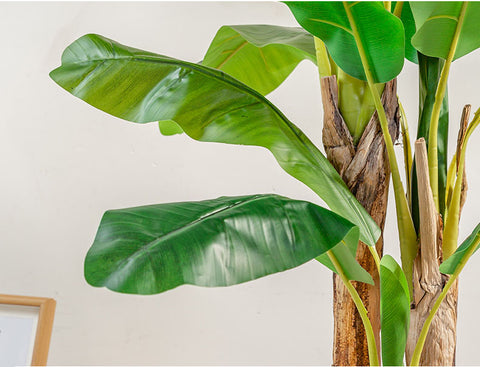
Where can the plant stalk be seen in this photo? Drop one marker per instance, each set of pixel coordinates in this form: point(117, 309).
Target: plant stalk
point(398, 9)
point(450, 234)
point(406, 229)
point(372, 346)
point(426, 326)
point(439, 94)
point(376, 258)
point(323, 62)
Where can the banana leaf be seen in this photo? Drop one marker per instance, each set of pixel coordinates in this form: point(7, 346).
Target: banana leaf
point(261, 56)
point(381, 35)
point(211, 243)
point(463, 253)
point(208, 104)
point(394, 311)
point(436, 23)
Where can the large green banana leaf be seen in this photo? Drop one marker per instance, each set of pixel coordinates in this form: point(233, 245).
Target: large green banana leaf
point(261, 56)
point(208, 104)
point(380, 33)
point(462, 254)
point(220, 242)
point(394, 311)
point(430, 69)
point(436, 22)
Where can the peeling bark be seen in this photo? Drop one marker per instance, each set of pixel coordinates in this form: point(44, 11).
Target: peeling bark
point(365, 170)
point(428, 282)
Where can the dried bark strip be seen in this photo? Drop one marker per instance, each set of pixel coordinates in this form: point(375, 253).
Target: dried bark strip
point(428, 282)
point(365, 170)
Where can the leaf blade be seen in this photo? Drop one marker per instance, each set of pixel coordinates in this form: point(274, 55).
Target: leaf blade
point(382, 35)
point(394, 311)
point(208, 105)
point(261, 56)
point(219, 242)
point(457, 259)
point(436, 24)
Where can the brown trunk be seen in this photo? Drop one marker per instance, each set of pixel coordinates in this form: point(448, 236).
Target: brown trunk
point(366, 172)
point(428, 282)
point(439, 348)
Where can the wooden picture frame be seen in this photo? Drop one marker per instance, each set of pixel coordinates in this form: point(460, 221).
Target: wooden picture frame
point(14, 307)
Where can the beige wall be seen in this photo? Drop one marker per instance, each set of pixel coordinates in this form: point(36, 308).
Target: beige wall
point(64, 163)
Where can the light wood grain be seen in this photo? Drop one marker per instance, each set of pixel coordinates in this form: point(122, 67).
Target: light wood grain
point(46, 316)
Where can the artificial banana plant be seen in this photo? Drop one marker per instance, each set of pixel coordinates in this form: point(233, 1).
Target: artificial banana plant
point(359, 48)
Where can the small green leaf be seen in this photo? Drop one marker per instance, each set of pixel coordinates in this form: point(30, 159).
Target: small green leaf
point(381, 34)
point(211, 243)
point(208, 104)
point(261, 56)
point(436, 23)
point(450, 265)
point(169, 127)
point(394, 311)
point(345, 254)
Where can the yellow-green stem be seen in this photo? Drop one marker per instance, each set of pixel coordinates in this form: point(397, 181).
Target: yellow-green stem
point(398, 9)
point(406, 229)
point(323, 62)
point(439, 94)
point(417, 353)
point(407, 152)
point(372, 346)
point(452, 218)
point(376, 258)
point(387, 5)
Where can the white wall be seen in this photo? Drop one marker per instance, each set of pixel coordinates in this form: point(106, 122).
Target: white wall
point(64, 163)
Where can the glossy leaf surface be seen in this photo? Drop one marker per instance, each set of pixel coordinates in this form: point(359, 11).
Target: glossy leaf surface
point(436, 22)
point(429, 75)
point(394, 311)
point(381, 35)
point(450, 265)
point(261, 56)
point(208, 104)
point(211, 243)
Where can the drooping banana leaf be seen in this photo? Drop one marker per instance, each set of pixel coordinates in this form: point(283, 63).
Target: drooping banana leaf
point(463, 253)
point(261, 56)
point(429, 75)
point(394, 311)
point(208, 104)
point(436, 22)
point(211, 243)
point(380, 33)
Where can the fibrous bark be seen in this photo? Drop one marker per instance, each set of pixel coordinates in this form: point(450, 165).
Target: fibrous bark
point(365, 170)
point(428, 282)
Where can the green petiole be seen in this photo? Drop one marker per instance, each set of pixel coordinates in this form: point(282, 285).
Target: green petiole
point(439, 94)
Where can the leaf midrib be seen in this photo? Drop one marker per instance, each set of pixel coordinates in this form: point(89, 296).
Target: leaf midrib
point(159, 239)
